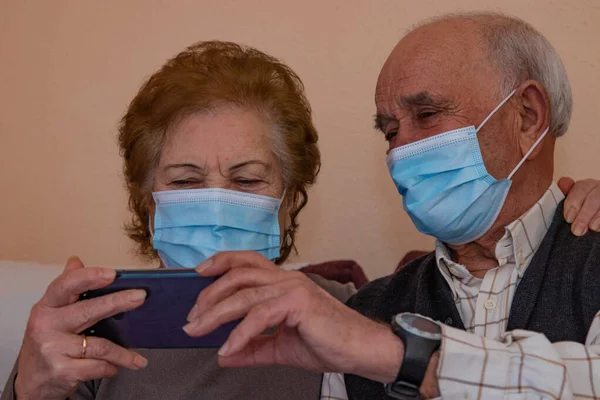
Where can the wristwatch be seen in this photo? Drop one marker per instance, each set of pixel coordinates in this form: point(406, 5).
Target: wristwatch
point(421, 336)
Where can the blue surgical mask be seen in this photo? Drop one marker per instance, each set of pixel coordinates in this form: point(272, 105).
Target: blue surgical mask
point(192, 225)
point(445, 187)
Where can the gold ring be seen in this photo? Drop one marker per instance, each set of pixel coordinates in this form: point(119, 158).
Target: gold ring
point(83, 346)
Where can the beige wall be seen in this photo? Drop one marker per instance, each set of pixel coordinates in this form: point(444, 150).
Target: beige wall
point(69, 68)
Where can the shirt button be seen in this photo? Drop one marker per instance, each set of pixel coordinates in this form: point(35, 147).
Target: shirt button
point(448, 321)
point(490, 304)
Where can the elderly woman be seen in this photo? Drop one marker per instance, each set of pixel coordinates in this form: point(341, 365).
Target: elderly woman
point(229, 130)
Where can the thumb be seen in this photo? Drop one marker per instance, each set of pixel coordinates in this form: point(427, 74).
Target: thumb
point(566, 184)
point(73, 263)
point(259, 351)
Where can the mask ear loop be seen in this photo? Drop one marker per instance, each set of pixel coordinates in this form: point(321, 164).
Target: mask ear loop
point(151, 226)
point(286, 236)
point(528, 153)
point(490, 115)
point(287, 239)
point(283, 195)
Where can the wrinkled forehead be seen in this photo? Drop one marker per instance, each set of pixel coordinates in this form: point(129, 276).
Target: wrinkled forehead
point(444, 58)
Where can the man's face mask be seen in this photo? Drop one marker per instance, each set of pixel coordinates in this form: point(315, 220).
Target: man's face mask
point(446, 189)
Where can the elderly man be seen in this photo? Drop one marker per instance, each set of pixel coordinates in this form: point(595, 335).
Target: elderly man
point(471, 106)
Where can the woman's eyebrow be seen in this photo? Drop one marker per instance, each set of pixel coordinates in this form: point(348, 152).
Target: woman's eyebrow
point(185, 165)
point(249, 162)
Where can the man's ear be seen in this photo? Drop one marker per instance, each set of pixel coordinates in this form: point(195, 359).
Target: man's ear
point(534, 113)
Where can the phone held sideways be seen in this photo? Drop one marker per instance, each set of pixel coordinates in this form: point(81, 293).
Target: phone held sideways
point(158, 323)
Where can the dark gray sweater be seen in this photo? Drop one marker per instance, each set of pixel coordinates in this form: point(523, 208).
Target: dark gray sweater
point(558, 296)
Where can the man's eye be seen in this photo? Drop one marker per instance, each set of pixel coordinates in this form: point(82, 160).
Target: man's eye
point(390, 135)
point(426, 114)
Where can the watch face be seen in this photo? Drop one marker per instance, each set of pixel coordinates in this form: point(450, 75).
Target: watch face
point(420, 326)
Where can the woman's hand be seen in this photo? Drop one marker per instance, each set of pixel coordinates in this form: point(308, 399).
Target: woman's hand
point(52, 360)
point(582, 205)
point(314, 330)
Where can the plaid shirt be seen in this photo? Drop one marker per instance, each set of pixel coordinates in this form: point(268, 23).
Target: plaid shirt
point(485, 361)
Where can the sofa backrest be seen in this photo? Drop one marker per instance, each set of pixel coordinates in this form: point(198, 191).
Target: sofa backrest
point(21, 285)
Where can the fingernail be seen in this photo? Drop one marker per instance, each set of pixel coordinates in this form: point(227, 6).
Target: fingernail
point(137, 295)
point(72, 258)
point(204, 265)
point(224, 350)
point(108, 274)
point(193, 313)
point(140, 362)
point(596, 225)
point(571, 213)
point(579, 229)
point(188, 328)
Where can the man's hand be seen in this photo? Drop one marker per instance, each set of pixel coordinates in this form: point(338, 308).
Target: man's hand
point(313, 330)
point(582, 205)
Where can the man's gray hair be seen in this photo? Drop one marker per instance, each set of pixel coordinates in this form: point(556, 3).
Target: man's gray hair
point(520, 52)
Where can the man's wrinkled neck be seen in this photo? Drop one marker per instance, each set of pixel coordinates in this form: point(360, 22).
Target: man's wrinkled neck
point(478, 256)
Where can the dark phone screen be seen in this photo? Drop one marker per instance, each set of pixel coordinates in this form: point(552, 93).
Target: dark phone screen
point(170, 295)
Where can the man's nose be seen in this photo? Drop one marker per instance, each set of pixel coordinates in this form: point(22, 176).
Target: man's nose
point(398, 141)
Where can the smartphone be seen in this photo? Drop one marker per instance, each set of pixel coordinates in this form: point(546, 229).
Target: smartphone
point(156, 324)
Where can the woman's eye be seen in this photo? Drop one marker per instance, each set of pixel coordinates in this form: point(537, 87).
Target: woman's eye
point(426, 114)
point(247, 182)
point(181, 182)
point(390, 135)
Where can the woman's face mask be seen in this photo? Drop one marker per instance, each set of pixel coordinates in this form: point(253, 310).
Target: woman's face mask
point(192, 225)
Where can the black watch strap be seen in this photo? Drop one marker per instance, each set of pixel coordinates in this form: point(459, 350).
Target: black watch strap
point(417, 353)
point(408, 382)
